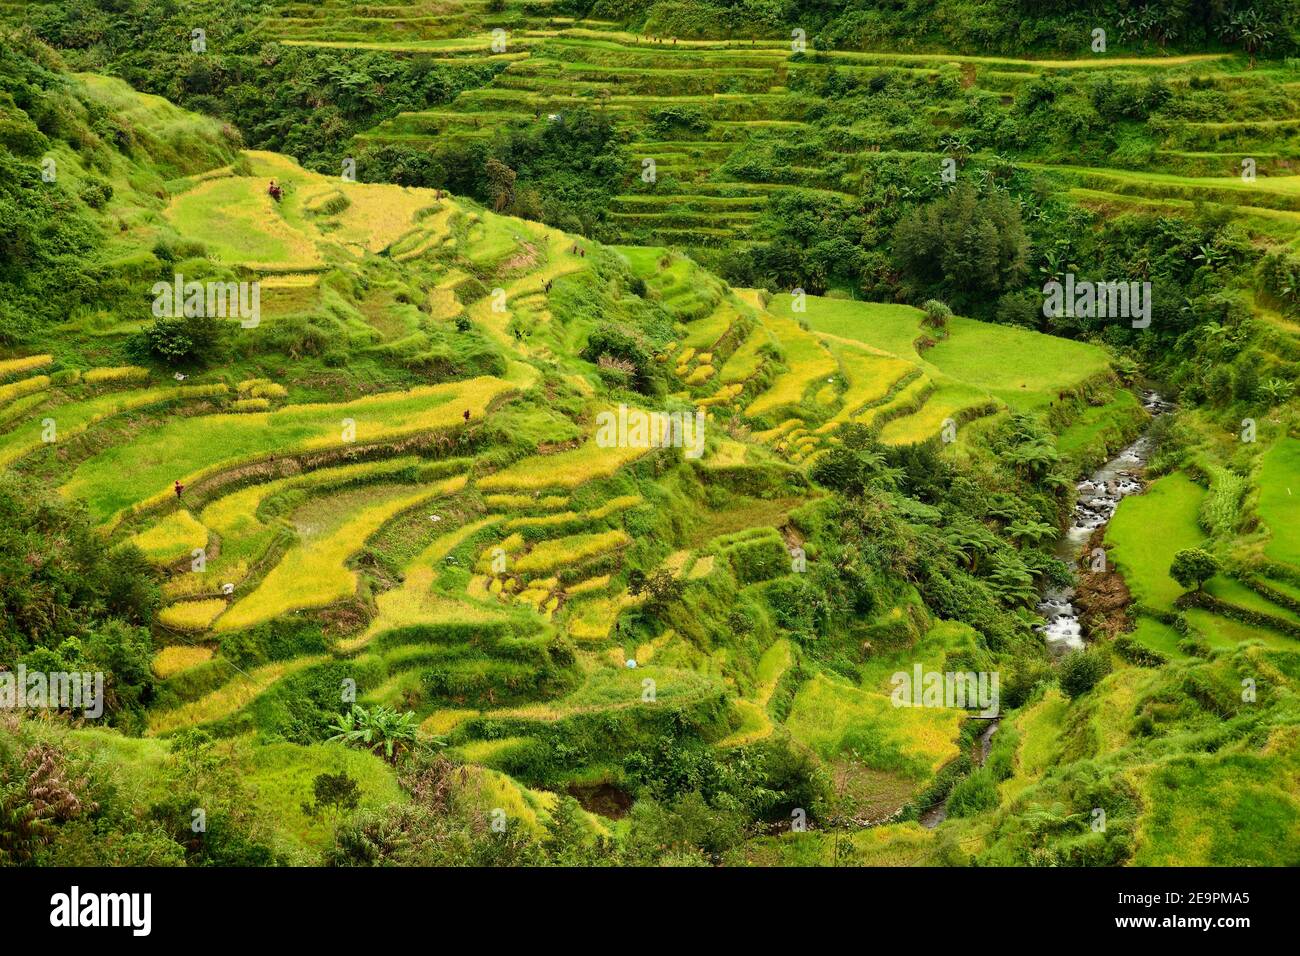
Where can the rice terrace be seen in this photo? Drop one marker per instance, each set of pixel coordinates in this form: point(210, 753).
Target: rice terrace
point(645, 433)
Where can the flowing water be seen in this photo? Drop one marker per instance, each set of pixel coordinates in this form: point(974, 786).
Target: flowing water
point(983, 744)
point(1099, 495)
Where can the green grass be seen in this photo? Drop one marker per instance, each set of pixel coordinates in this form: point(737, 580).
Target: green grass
point(870, 377)
point(756, 724)
point(566, 469)
point(807, 362)
point(1148, 530)
point(1022, 368)
point(171, 538)
point(891, 328)
point(409, 599)
point(242, 225)
point(1233, 809)
point(1157, 636)
point(975, 363)
point(280, 777)
point(313, 573)
point(834, 718)
point(1099, 429)
point(1223, 633)
point(1233, 591)
point(238, 692)
point(1279, 500)
point(191, 448)
point(562, 552)
point(947, 401)
point(1040, 726)
point(29, 432)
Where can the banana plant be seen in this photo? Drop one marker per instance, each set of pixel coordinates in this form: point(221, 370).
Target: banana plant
point(381, 730)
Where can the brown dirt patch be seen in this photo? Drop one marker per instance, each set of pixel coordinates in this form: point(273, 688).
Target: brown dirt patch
point(1102, 597)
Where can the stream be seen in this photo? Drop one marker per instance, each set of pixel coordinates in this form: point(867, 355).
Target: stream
point(983, 744)
point(1098, 496)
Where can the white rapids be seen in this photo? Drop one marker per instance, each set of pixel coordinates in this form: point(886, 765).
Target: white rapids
point(1098, 496)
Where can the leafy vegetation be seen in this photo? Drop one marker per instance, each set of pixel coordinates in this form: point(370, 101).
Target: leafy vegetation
point(373, 580)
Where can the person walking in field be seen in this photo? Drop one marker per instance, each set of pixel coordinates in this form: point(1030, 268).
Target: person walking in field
point(274, 191)
point(467, 415)
point(178, 488)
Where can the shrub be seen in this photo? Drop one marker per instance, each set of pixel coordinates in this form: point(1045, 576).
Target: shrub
point(937, 313)
point(973, 794)
point(1081, 670)
point(190, 340)
point(95, 193)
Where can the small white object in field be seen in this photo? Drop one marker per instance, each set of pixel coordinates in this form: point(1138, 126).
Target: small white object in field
point(227, 588)
point(179, 376)
point(631, 663)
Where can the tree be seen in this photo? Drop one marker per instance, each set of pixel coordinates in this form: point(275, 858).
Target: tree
point(968, 247)
point(1193, 567)
point(333, 791)
point(81, 606)
point(660, 588)
point(1250, 30)
point(500, 183)
point(852, 471)
point(194, 340)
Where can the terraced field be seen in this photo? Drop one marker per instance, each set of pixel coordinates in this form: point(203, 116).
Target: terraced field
point(286, 506)
point(718, 123)
point(399, 489)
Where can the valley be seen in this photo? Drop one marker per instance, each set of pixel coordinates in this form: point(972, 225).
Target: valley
point(371, 584)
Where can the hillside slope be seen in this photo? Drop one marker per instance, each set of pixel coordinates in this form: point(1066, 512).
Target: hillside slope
point(395, 488)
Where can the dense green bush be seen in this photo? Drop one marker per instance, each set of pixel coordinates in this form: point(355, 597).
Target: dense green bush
point(198, 340)
point(1081, 670)
point(68, 603)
